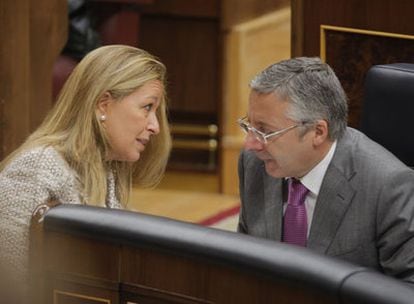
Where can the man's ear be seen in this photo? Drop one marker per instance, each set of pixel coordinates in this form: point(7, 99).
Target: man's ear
point(103, 103)
point(321, 132)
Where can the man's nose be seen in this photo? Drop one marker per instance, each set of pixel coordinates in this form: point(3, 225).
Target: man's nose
point(252, 143)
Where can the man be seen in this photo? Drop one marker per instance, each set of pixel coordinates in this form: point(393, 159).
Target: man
point(308, 179)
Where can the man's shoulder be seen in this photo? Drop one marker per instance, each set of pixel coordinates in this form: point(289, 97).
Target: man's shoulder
point(362, 153)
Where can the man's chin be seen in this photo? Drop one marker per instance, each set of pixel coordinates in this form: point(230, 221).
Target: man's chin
point(273, 169)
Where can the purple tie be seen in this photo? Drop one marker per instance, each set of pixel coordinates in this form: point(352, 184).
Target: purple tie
point(295, 224)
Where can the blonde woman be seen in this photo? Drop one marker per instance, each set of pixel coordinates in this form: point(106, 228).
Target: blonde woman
point(108, 123)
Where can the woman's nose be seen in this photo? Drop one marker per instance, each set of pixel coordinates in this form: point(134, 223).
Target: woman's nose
point(153, 125)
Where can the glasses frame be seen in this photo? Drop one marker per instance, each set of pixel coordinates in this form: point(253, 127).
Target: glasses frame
point(259, 135)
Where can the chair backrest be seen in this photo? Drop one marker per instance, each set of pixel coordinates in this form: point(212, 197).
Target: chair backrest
point(388, 108)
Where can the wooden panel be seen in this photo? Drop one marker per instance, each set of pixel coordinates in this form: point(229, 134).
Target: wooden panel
point(126, 1)
point(84, 259)
point(190, 37)
point(32, 35)
point(71, 293)
point(362, 49)
point(189, 49)
point(117, 21)
point(188, 44)
point(248, 50)
point(151, 276)
point(80, 271)
point(379, 15)
point(117, 25)
point(182, 277)
point(159, 260)
point(166, 278)
point(235, 12)
point(14, 73)
point(2, 118)
point(351, 55)
point(189, 8)
point(48, 30)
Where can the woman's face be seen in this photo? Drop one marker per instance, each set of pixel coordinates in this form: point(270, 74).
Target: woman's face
point(131, 121)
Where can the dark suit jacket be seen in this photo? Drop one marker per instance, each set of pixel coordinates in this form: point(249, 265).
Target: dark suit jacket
point(364, 212)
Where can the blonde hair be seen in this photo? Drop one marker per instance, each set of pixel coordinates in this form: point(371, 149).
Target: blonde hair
point(72, 126)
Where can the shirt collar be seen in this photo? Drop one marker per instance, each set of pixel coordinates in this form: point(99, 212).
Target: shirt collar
point(313, 179)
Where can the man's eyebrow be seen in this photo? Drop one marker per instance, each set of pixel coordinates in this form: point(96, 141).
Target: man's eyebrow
point(264, 124)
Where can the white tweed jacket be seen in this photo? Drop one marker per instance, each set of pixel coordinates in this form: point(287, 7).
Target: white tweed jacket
point(32, 178)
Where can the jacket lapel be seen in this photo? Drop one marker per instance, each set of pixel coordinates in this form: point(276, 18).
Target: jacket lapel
point(333, 200)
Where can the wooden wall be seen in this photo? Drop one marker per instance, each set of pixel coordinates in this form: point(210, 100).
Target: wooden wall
point(186, 38)
point(249, 48)
point(32, 35)
point(359, 34)
point(212, 49)
point(185, 35)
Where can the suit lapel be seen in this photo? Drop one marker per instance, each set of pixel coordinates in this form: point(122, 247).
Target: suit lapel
point(333, 200)
point(273, 202)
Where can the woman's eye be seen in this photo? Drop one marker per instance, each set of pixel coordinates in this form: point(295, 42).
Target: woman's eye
point(148, 107)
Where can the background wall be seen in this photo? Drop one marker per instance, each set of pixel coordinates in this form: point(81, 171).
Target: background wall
point(353, 35)
point(32, 35)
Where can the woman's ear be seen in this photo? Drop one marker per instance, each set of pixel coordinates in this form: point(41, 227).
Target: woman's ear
point(321, 132)
point(103, 103)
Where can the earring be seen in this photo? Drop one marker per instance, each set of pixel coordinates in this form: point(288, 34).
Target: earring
point(103, 117)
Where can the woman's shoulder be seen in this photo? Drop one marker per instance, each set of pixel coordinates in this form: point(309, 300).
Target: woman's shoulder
point(41, 167)
point(38, 160)
point(39, 156)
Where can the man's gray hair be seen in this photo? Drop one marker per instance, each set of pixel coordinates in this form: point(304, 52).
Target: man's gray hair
point(312, 89)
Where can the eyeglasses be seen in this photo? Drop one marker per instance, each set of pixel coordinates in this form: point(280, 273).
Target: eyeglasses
point(259, 135)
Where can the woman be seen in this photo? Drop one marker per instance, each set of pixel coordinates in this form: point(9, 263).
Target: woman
point(108, 123)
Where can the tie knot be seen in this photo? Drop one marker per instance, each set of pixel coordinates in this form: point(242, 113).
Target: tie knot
point(297, 192)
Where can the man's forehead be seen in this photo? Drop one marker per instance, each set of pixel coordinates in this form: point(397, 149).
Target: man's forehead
point(267, 104)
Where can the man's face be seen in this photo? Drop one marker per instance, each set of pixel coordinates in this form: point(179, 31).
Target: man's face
point(290, 154)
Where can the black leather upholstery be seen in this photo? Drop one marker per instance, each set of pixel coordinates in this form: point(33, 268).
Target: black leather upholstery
point(388, 108)
point(369, 287)
point(280, 261)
